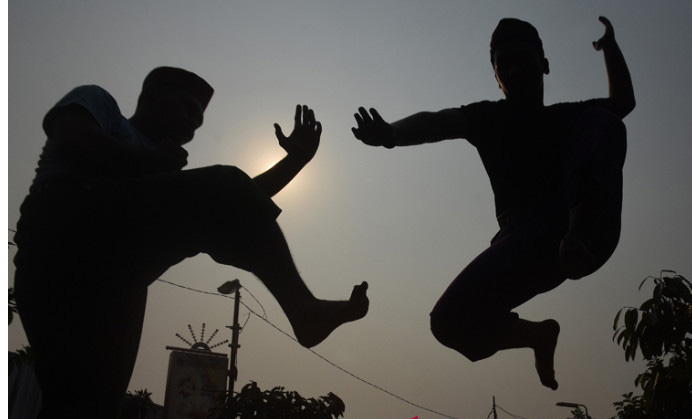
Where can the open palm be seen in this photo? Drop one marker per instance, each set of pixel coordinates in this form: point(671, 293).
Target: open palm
point(305, 138)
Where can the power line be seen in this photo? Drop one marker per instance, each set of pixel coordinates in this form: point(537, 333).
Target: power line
point(264, 313)
point(250, 311)
point(511, 414)
point(265, 319)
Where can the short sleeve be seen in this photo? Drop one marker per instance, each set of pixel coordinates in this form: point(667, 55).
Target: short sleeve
point(477, 116)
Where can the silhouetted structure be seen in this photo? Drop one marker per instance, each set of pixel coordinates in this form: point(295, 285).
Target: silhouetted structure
point(556, 173)
point(110, 210)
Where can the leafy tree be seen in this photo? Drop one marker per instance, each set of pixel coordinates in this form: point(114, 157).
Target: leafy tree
point(23, 356)
point(578, 414)
point(12, 305)
point(138, 405)
point(661, 329)
point(277, 403)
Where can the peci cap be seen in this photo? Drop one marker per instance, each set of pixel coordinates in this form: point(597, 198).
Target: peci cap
point(181, 79)
point(510, 30)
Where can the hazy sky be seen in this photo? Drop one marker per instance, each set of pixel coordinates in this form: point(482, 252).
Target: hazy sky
point(405, 220)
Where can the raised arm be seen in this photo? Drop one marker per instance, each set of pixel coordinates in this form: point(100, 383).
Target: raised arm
point(419, 128)
point(300, 147)
point(620, 91)
point(84, 144)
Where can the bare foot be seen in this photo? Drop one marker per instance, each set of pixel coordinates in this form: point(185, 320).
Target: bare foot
point(544, 352)
point(313, 324)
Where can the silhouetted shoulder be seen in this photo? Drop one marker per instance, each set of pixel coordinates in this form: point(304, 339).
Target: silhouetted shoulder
point(576, 106)
point(478, 116)
point(560, 115)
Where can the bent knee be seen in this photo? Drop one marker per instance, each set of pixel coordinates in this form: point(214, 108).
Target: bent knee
point(454, 335)
point(439, 327)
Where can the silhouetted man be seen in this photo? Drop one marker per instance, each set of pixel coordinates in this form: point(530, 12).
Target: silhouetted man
point(110, 210)
point(556, 174)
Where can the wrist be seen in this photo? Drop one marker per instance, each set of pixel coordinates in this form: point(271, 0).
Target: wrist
point(606, 44)
point(298, 160)
point(393, 139)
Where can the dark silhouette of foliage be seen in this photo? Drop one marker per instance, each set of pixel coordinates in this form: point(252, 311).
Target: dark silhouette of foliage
point(137, 405)
point(277, 403)
point(661, 328)
point(12, 305)
point(23, 356)
point(578, 414)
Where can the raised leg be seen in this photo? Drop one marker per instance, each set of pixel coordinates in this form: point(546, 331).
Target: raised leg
point(474, 316)
point(219, 211)
point(594, 159)
point(265, 253)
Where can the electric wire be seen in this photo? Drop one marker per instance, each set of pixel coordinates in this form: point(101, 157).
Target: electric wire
point(266, 320)
point(511, 414)
point(250, 312)
point(245, 323)
point(264, 313)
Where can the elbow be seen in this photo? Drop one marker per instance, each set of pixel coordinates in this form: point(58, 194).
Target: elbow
point(629, 105)
point(625, 107)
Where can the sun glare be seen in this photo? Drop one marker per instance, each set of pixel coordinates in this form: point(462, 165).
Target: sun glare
point(266, 159)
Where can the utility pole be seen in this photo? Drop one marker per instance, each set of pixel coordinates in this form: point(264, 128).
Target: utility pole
point(494, 411)
point(228, 288)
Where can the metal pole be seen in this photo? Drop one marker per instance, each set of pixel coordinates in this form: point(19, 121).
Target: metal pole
point(233, 372)
point(494, 411)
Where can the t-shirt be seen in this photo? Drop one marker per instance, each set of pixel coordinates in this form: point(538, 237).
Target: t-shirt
point(103, 107)
point(521, 149)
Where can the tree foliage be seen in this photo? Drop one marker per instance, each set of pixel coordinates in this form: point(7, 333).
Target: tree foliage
point(578, 414)
point(277, 403)
point(661, 329)
point(137, 405)
point(23, 356)
point(11, 305)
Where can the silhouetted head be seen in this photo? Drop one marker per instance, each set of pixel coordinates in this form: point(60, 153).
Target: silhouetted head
point(511, 31)
point(171, 105)
point(516, 52)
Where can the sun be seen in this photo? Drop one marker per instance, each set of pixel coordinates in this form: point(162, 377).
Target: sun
point(264, 159)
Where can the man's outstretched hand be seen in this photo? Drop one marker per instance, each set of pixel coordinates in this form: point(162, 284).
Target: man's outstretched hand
point(372, 129)
point(608, 38)
point(305, 138)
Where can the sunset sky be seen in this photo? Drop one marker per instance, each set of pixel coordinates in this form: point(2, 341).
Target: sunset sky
point(405, 220)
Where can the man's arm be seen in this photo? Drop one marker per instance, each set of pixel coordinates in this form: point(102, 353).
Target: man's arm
point(85, 144)
point(621, 93)
point(419, 128)
point(300, 147)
